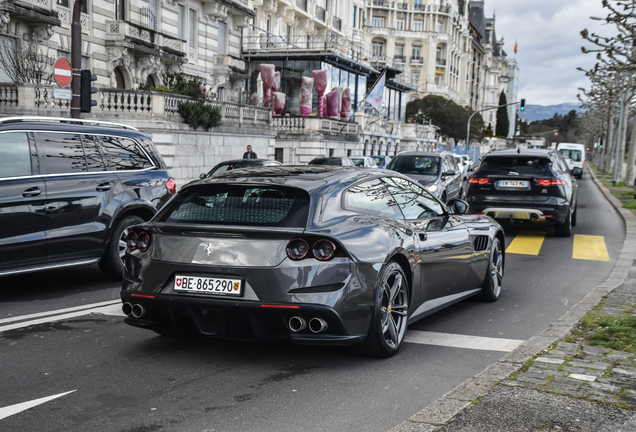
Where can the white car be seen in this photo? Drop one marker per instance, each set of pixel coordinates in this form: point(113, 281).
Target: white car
point(364, 162)
point(574, 155)
point(462, 165)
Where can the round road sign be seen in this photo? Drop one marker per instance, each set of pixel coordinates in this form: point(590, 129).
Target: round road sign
point(62, 72)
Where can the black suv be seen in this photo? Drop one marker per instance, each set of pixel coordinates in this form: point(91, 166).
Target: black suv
point(71, 188)
point(528, 185)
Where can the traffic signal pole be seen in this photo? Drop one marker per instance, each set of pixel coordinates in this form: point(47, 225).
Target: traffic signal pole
point(482, 110)
point(76, 57)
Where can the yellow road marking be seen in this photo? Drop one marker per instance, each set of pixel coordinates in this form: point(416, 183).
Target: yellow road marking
point(526, 243)
point(589, 247)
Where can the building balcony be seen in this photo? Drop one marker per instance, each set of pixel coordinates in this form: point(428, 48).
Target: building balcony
point(381, 3)
point(33, 12)
point(231, 62)
point(115, 104)
point(302, 5)
point(399, 59)
point(142, 40)
point(380, 31)
point(417, 60)
point(315, 125)
point(440, 62)
point(321, 14)
point(336, 23)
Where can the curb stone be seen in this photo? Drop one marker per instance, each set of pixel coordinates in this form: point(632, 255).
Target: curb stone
point(464, 395)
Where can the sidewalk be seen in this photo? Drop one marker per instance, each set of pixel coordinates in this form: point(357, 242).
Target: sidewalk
point(567, 387)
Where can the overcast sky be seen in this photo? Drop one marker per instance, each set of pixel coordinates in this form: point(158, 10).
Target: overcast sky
point(549, 42)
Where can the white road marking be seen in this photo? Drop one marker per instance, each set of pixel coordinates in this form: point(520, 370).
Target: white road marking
point(462, 341)
point(59, 311)
point(17, 408)
point(111, 309)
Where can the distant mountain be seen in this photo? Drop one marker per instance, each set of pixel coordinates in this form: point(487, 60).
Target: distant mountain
point(541, 112)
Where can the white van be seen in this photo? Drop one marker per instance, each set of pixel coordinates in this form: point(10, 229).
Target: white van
point(574, 154)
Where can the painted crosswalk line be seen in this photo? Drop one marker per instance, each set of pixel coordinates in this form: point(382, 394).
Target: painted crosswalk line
point(18, 408)
point(527, 243)
point(461, 341)
point(590, 247)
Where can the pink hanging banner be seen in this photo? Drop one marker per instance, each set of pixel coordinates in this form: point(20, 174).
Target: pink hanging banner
point(306, 94)
point(320, 84)
point(279, 102)
point(346, 104)
point(267, 75)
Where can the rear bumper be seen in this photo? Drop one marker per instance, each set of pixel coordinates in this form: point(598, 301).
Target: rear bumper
point(549, 212)
point(231, 319)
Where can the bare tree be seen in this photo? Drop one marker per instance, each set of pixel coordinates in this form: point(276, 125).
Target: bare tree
point(25, 62)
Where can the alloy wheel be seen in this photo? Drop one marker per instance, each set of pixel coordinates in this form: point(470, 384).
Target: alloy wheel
point(394, 309)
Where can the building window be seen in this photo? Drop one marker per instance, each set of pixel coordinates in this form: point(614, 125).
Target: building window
point(348, 152)
point(490, 116)
point(415, 78)
point(416, 50)
point(278, 154)
point(492, 80)
point(181, 23)
point(119, 78)
point(399, 52)
point(86, 63)
point(222, 49)
point(492, 97)
point(120, 10)
point(399, 24)
point(331, 152)
point(353, 17)
point(192, 28)
point(417, 25)
point(377, 21)
point(377, 48)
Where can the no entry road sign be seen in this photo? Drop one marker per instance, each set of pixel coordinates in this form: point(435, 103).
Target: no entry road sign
point(62, 72)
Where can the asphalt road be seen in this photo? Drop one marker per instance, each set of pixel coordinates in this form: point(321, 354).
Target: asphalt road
point(129, 380)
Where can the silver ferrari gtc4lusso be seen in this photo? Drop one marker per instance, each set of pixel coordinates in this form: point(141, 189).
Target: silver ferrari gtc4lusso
point(318, 255)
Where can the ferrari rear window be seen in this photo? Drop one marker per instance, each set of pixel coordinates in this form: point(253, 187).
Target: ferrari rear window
point(520, 164)
point(239, 205)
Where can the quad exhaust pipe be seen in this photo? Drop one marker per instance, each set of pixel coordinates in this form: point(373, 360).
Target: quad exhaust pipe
point(136, 310)
point(297, 324)
point(317, 325)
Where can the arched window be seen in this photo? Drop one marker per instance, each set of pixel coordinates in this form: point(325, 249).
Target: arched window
point(150, 81)
point(119, 78)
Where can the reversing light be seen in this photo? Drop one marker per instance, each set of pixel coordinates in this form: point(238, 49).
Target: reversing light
point(297, 249)
point(171, 185)
point(131, 240)
point(143, 241)
point(480, 181)
point(324, 250)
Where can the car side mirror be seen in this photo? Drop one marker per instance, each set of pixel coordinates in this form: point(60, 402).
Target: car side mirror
point(577, 171)
point(202, 175)
point(450, 172)
point(457, 206)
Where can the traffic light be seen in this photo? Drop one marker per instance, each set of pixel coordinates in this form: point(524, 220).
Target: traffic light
point(522, 105)
point(87, 91)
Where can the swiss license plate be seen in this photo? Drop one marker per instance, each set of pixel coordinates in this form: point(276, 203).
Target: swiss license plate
point(513, 183)
point(207, 285)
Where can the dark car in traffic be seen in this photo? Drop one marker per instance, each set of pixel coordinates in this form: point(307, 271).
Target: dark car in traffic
point(333, 161)
point(71, 188)
point(527, 185)
point(318, 255)
point(238, 164)
point(437, 172)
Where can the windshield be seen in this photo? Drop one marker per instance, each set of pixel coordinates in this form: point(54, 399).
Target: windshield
point(358, 162)
point(378, 160)
point(325, 161)
point(575, 155)
point(222, 204)
point(426, 165)
point(230, 166)
point(520, 164)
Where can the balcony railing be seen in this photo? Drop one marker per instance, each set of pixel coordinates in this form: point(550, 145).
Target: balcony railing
point(302, 5)
point(403, 6)
point(417, 60)
point(440, 62)
point(34, 99)
point(419, 7)
point(315, 125)
point(383, 3)
point(399, 59)
point(320, 13)
point(259, 41)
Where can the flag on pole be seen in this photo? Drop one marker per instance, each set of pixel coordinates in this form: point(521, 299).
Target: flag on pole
point(516, 46)
point(377, 92)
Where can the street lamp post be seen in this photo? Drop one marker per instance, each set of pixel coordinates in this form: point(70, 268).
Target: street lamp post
point(482, 110)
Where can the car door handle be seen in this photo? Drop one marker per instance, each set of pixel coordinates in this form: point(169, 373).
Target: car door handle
point(31, 192)
point(423, 237)
point(103, 187)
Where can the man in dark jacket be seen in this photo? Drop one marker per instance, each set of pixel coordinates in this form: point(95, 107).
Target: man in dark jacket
point(249, 154)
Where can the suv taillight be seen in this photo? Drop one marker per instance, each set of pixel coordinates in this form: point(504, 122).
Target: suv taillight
point(550, 182)
point(480, 181)
point(322, 249)
point(171, 185)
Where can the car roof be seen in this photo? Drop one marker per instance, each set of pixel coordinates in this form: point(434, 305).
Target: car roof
point(520, 152)
point(234, 161)
point(416, 153)
point(58, 126)
point(307, 177)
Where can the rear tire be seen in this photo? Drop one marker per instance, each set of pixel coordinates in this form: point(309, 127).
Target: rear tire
point(574, 217)
point(390, 315)
point(112, 263)
point(564, 229)
point(491, 288)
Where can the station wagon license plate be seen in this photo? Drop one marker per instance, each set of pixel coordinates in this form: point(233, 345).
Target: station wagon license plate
point(513, 183)
point(210, 286)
